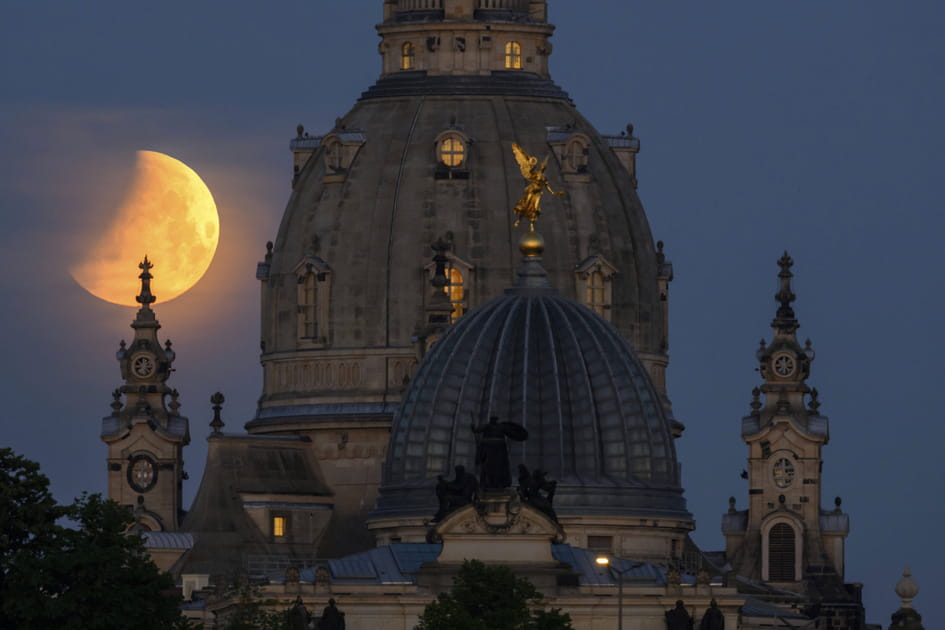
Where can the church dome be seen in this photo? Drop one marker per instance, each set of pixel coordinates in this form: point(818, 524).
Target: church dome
point(535, 358)
point(425, 154)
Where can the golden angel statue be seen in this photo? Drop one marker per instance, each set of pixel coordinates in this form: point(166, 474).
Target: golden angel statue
point(529, 206)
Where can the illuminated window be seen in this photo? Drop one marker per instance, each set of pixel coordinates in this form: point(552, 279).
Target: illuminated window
point(454, 289)
point(407, 57)
point(513, 56)
point(278, 526)
point(452, 151)
point(308, 322)
point(781, 553)
point(595, 293)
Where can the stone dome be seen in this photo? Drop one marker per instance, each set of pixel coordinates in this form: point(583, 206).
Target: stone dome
point(426, 154)
point(533, 357)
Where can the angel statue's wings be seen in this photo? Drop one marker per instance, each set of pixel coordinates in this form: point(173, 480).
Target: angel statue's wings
point(525, 161)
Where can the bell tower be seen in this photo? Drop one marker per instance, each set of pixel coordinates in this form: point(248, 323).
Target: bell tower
point(145, 433)
point(785, 537)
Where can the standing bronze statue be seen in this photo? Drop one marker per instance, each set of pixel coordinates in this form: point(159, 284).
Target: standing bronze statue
point(332, 618)
point(529, 206)
point(492, 452)
point(713, 619)
point(678, 618)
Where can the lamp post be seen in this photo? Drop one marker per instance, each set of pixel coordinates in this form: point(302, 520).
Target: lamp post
point(604, 561)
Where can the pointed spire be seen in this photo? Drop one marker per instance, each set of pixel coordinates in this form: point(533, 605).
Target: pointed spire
point(217, 423)
point(145, 298)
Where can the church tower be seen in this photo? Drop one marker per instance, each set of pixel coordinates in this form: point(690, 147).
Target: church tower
point(785, 538)
point(145, 433)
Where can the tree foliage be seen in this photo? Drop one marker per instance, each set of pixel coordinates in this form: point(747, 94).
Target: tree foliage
point(92, 576)
point(487, 597)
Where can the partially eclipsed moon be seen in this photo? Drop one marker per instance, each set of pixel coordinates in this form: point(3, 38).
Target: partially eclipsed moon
point(168, 215)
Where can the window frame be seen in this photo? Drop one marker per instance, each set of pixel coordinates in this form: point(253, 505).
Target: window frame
point(513, 55)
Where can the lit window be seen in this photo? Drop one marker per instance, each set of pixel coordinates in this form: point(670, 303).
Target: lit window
point(513, 56)
point(781, 553)
point(407, 56)
point(596, 299)
point(308, 323)
point(278, 526)
point(454, 289)
point(452, 152)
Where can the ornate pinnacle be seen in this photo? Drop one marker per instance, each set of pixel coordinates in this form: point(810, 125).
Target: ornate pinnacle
point(145, 298)
point(217, 423)
point(814, 404)
point(755, 401)
point(784, 320)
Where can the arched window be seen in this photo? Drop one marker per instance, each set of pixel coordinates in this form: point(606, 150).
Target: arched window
point(595, 293)
point(454, 289)
point(452, 151)
point(308, 322)
point(781, 553)
point(407, 56)
point(513, 56)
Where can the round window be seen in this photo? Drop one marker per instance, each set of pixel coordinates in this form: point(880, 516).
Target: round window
point(783, 473)
point(452, 152)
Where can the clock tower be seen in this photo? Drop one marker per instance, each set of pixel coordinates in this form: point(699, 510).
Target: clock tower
point(145, 433)
point(784, 538)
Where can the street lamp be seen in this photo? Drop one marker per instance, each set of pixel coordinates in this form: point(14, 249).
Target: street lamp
point(604, 561)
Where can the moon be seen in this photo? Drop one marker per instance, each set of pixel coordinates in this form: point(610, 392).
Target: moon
point(169, 215)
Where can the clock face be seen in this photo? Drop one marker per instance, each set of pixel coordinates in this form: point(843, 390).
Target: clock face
point(783, 473)
point(142, 366)
point(142, 473)
point(783, 365)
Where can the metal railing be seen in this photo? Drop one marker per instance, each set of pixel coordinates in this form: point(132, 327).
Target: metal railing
point(419, 5)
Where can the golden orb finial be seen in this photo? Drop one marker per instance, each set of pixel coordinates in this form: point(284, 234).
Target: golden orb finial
point(532, 244)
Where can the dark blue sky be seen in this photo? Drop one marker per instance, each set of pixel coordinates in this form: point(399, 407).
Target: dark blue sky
point(815, 127)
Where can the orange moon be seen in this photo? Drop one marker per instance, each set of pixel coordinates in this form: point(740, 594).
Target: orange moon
point(168, 215)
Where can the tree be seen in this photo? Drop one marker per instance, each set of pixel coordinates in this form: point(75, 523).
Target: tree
point(490, 598)
point(94, 575)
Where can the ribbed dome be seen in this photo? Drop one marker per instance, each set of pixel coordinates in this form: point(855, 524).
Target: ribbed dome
point(594, 419)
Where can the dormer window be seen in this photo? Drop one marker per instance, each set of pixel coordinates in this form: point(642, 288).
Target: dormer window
point(314, 288)
point(458, 283)
point(513, 56)
point(595, 284)
point(334, 156)
point(407, 56)
point(575, 155)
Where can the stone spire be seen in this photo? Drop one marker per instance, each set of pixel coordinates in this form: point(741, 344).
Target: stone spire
point(146, 436)
point(216, 424)
point(784, 363)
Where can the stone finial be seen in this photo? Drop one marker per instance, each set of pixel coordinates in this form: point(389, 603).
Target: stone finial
point(299, 130)
point(116, 402)
point(907, 588)
point(660, 256)
point(731, 505)
point(217, 423)
point(145, 298)
point(174, 404)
